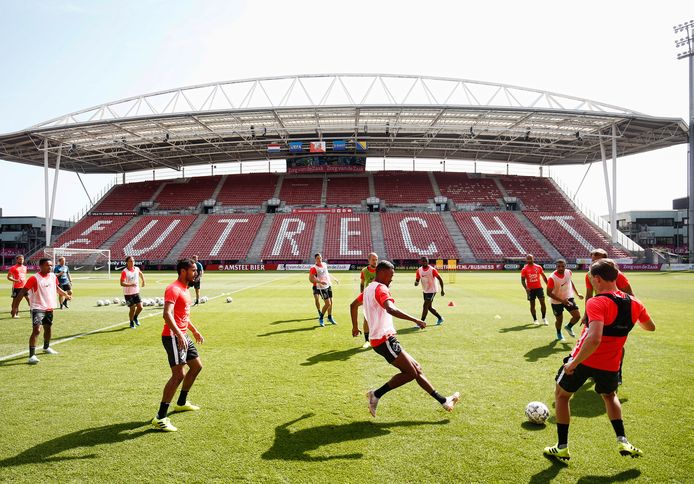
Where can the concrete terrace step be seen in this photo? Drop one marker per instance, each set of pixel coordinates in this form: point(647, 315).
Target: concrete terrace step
point(465, 252)
point(253, 256)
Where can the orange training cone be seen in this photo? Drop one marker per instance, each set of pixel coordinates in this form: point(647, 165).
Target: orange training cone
point(451, 303)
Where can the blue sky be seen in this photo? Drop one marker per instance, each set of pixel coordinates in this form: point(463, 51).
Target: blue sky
point(61, 56)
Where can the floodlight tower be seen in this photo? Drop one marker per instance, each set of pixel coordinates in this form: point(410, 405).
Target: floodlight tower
point(687, 41)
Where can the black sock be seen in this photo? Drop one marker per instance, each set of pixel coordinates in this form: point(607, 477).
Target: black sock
point(46, 344)
point(382, 391)
point(32, 351)
point(618, 426)
point(366, 336)
point(163, 410)
point(563, 434)
point(439, 398)
point(544, 314)
point(182, 398)
point(570, 325)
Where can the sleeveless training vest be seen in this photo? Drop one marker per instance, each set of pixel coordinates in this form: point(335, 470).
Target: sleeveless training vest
point(623, 322)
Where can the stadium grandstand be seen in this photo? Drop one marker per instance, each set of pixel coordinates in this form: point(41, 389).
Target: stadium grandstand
point(315, 134)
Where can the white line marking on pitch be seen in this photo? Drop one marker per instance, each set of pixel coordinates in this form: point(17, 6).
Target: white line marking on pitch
point(65, 340)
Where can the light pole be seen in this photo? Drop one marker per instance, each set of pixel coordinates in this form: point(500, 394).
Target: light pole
point(687, 42)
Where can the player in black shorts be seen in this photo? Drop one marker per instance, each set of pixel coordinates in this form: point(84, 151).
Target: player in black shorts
point(198, 278)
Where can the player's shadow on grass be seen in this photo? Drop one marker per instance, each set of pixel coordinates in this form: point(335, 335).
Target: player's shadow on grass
point(521, 327)
point(296, 445)
point(550, 473)
point(586, 403)
point(293, 320)
point(548, 350)
point(332, 355)
point(289, 331)
point(621, 477)
point(49, 451)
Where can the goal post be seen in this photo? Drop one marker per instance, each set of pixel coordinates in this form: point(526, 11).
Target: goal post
point(87, 263)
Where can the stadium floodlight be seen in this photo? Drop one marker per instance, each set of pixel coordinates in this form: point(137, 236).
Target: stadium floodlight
point(687, 28)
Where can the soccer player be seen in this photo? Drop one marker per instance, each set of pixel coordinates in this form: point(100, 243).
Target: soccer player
point(368, 274)
point(18, 276)
point(561, 290)
point(320, 276)
point(180, 349)
point(64, 279)
point(531, 276)
point(622, 284)
point(428, 276)
point(611, 315)
point(316, 299)
point(130, 279)
point(196, 283)
point(42, 288)
point(379, 308)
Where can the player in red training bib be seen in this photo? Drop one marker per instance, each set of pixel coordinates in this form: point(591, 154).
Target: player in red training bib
point(379, 309)
point(532, 276)
point(428, 276)
point(612, 314)
point(17, 275)
point(180, 349)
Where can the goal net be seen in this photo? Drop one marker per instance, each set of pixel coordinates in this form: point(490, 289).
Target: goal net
point(83, 263)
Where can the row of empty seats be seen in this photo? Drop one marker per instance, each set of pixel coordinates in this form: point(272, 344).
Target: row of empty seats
point(347, 190)
point(125, 198)
point(152, 237)
point(224, 237)
point(247, 190)
point(302, 191)
point(412, 235)
point(347, 237)
point(465, 189)
point(187, 192)
point(290, 238)
point(536, 194)
point(91, 232)
point(403, 187)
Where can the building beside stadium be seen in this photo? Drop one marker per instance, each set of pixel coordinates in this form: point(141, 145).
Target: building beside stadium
point(298, 148)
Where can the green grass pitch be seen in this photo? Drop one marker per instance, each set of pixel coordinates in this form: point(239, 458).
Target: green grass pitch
point(283, 400)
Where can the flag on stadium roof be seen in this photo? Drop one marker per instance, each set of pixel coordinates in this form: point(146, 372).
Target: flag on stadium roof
point(361, 145)
point(317, 147)
point(339, 145)
point(273, 148)
point(296, 147)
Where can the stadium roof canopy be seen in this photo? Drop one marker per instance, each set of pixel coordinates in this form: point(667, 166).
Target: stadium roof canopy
point(396, 115)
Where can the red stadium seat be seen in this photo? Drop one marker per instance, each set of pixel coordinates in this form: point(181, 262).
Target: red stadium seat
point(125, 198)
point(536, 194)
point(301, 191)
point(92, 231)
point(495, 236)
point(187, 193)
point(152, 237)
point(347, 237)
point(466, 190)
point(290, 238)
point(224, 237)
point(403, 188)
point(411, 235)
point(247, 190)
point(347, 190)
point(572, 235)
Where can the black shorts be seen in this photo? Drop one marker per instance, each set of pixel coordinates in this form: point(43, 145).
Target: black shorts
point(132, 299)
point(557, 309)
point(176, 356)
point(605, 381)
point(429, 296)
point(15, 292)
point(326, 293)
point(389, 349)
point(195, 284)
point(39, 317)
point(316, 291)
point(66, 287)
point(536, 293)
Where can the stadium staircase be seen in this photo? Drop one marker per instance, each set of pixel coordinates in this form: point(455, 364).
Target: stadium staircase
point(278, 188)
point(466, 255)
point(541, 239)
point(260, 238)
point(324, 196)
point(372, 187)
point(223, 180)
point(183, 242)
point(379, 243)
point(434, 184)
point(156, 193)
point(319, 233)
point(501, 188)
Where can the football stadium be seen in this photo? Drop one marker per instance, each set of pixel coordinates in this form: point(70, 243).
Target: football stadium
point(228, 203)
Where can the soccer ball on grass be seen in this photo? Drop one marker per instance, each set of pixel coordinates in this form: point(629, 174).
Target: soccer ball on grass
point(537, 412)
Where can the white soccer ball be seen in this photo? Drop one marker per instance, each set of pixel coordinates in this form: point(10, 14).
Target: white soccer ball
point(116, 300)
point(537, 412)
point(99, 303)
point(229, 299)
point(160, 302)
point(107, 302)
point(203, 300)
point(123, 302)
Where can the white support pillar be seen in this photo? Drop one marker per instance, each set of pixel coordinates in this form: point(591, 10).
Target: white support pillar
point(49, 228)
point(45, 184)
point(613, 216)
point(607, 182)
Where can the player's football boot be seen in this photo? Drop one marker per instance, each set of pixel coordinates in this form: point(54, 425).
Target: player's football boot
point(132, 324)
point(366, 345)
point(556, 452)
point(163, 424)
point(50, 351)
point(560, 337)
point(439, 322)
point(373, 402)
point(450, 402)
point(321, 323)
point(544, 321)
point(570, 331)
point(186, 407)
point(332, 321)
point(626, 449)
point(536, 322)
point(33, 360)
